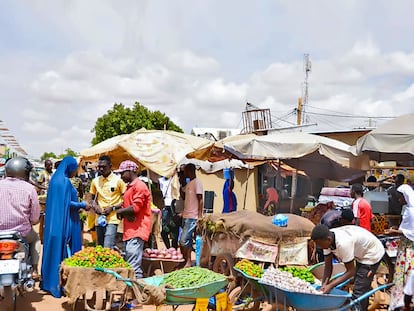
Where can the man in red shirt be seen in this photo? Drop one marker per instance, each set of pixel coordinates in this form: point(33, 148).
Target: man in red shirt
point(136, 214)
point(361, 207)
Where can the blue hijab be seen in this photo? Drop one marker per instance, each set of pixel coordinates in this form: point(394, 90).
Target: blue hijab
point(58, 225)
point(229, 198)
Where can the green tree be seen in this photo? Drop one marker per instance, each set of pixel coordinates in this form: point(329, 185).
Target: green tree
point(48, 155)
point(68, 152)
point(123, 120)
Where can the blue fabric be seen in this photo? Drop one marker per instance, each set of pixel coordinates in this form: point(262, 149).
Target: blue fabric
point(229, 198)
point(187, 234)
point(62, 225)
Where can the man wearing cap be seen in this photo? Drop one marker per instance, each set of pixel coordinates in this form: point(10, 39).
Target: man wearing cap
point(136, 215)
point(107, 190)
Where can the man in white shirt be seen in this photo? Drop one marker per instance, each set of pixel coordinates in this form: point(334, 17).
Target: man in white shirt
point(357, 248)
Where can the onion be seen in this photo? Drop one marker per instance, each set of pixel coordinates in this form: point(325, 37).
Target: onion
point(153, 255)
point(171, 250)
point(180, 256)
point(168, 256)
point(174, 257)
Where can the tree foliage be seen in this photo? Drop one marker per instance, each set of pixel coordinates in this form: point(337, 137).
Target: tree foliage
point(52, 155)
point(124, 120)
point(48, 155)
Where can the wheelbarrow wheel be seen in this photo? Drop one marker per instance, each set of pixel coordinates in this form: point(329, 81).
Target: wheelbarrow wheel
point(224, 264)
point(245, 297)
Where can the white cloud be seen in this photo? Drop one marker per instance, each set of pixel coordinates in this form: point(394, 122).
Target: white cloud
point(199, 63)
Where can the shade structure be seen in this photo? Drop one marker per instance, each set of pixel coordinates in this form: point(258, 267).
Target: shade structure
point(317, 156)
point(108, 147)
point(392, 141)
point(157, 150)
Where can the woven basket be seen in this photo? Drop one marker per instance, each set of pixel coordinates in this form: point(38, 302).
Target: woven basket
point(378, 224)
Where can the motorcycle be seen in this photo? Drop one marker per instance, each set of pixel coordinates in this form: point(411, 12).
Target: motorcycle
point(15, 268)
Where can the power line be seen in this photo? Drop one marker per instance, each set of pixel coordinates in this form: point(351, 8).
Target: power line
point(350, 116)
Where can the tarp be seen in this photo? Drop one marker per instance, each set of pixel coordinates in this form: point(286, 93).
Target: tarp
point(392, 141)
point(317, 156)
point(249, 224)
point(159, 151)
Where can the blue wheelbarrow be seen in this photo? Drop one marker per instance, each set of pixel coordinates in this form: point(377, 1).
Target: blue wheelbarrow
point(336, 300)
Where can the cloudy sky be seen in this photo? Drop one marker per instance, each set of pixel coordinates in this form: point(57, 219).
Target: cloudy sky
point(65, 63)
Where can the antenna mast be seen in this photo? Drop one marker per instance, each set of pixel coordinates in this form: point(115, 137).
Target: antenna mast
point(307, 68)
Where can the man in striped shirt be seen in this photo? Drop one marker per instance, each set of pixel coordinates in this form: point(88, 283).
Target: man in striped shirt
point(19, 206)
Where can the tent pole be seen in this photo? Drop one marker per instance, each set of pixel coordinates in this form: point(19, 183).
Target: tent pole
point(245, 192)
point(293, 192)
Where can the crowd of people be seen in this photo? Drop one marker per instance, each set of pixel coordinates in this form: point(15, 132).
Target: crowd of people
point(118, 200)
point(121, 201)
point(346, 234)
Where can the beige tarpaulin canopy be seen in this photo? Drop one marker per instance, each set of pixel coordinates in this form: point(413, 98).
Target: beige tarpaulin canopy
point(392, 141)
point(157, 150)
point(317, 156)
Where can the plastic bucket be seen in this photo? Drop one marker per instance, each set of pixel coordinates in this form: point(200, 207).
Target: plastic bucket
point(227, 173)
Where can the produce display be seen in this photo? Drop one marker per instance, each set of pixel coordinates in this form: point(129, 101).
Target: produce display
point(285, 280)
point(250, 268)
point(171, 253)
point(301, 273)
point(191, 277)
point(99, 257)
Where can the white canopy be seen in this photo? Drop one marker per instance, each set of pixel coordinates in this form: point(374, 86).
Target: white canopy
point(158, 150)
point(392, 141)
point(318, 156)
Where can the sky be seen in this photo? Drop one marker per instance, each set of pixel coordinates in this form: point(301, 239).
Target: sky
point(65, 63)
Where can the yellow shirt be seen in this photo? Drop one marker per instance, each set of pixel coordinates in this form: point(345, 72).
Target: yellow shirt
point(108, 192)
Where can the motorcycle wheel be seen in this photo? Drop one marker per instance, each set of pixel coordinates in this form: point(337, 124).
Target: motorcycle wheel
point(9, 303)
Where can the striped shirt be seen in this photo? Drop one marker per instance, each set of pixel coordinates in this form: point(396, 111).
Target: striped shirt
point(19, 205)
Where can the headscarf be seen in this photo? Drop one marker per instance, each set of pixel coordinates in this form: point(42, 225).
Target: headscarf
point(57, 230)
point(408, 194)
point(407, 223)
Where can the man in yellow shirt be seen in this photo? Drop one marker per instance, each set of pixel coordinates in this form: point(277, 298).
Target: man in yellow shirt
point(107, 190)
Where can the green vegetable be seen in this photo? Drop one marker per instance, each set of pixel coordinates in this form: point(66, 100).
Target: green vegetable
point(301, 273)
point(191, 277)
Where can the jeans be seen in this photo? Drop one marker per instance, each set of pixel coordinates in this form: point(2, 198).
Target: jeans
point(106, 235)
point(32, 238)
point(362, 281)
point(189, 226)
point(133, 255)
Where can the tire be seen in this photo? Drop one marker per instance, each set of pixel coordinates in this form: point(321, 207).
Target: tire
point(9, 303)
point(224, 264)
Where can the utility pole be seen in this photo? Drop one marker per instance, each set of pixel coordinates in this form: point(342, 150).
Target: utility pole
point(307, 68)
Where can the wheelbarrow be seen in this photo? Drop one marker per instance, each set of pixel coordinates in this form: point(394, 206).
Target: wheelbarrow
point(336, 300)
point(174, 297)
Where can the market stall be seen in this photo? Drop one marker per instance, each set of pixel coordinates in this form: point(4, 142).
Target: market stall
point(224, 234)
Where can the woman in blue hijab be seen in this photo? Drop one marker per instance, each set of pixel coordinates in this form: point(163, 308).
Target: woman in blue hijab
point(62, 231)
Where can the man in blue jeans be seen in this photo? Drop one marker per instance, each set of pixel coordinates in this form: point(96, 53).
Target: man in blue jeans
point(107, 190)
point(193, 210)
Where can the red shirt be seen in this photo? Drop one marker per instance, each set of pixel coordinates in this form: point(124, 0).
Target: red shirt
point(138, 196)
point(363, 211)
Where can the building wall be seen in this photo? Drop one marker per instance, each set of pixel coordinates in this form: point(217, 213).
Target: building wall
point(245, 188)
